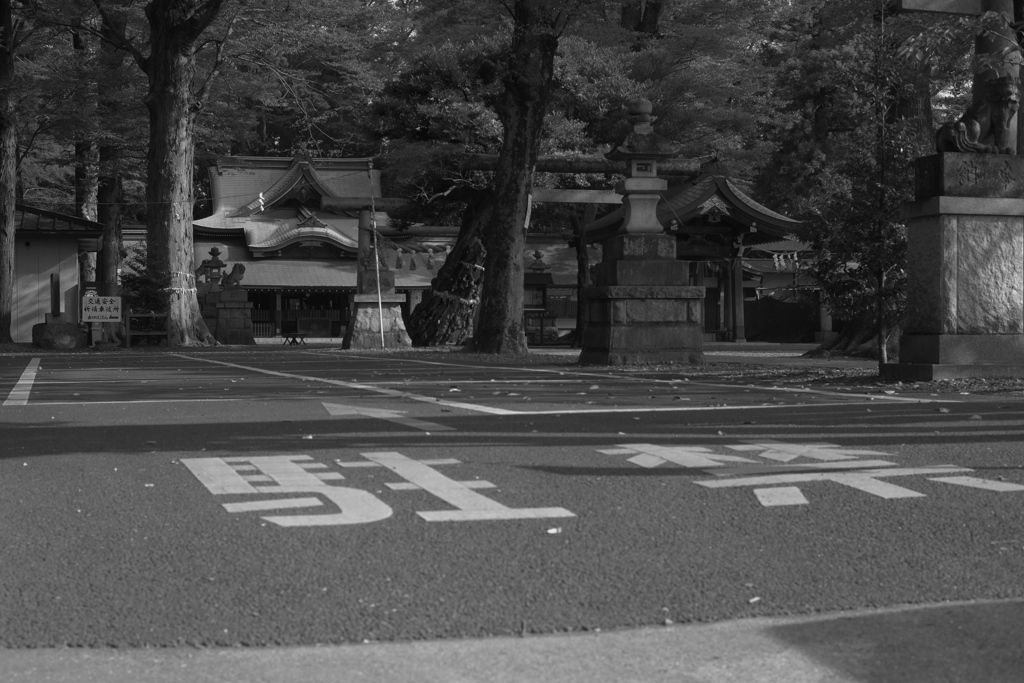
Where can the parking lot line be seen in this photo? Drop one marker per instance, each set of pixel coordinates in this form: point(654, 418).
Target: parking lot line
point(19, 394)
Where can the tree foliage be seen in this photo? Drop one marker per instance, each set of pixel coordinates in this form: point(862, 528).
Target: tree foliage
point(856, 117)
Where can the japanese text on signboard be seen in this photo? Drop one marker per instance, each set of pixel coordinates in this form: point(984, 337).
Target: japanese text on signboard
point(98, 309)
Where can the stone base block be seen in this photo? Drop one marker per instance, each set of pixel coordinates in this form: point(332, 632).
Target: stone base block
point(962, 349)
point(593, 357)
point(643, 324)
point(969, 175)
point(640, 247)
point(668, 272)
point(364, 330)
point(924, 372)
point(59, 336)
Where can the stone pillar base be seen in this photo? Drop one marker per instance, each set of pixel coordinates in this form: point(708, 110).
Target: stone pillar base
point(965, 271)
point(926, 372)
point(234, 316)
point(364, 329)
point(633, 325)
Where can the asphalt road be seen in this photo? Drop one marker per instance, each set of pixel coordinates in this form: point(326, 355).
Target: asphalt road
point(260, 497)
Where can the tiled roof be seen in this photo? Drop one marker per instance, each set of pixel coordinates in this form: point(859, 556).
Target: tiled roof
point(236, 182)
point(686, 202)
point(41, 221)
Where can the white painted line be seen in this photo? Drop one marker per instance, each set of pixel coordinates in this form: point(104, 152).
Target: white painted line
point(428, 461)
point(876, 487)
point(975, 482)
point(485, 515)
point(19, 394)
point(354, 385)
point(783, 495)
point(681, 384)
point(799, 467)
point(492, 410)
point(470, 484)
point(395, 416)
point(281, 504)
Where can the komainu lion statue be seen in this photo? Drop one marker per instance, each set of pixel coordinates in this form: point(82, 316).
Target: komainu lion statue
point(234, 278)
point(985, 127)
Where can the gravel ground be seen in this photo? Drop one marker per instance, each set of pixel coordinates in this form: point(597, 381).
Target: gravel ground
point(817, 372)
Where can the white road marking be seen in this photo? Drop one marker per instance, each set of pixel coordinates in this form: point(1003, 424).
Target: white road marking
point(785, 452)
point(19, 394)
point(280, 504)
point(799, 467)
point(355, 385)
point(395, 416)
point(291, 475)
point(493, 410)
point(471, 505)
point(975, 482)
point(650, 455)
point(863, 480)
point(783, 495)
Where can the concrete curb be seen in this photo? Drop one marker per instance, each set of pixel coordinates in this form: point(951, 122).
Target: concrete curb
point(966, 642)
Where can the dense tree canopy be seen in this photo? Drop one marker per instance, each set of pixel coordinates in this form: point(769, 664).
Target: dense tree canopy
point(819, 106)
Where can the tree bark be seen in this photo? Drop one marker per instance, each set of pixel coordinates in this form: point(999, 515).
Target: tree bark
point(445, 316)
point(8, 170)
point(521, 109)
point(175, 27)
point(579, 241)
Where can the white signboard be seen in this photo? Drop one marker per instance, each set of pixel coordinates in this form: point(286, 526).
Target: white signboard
point(101, 309)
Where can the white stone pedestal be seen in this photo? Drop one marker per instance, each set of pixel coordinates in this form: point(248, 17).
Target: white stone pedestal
point(965, 290)
point(369, 315)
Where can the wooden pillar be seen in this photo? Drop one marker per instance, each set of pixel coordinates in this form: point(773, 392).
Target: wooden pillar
point(725, 286)
point(278, 313)
point(739, 332)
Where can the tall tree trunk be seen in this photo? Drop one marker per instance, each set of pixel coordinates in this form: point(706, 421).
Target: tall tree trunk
point(8, 170)
point(175, 27)
point(521, 108)
point(445, 316)
point(642, 16)
point(579, 227)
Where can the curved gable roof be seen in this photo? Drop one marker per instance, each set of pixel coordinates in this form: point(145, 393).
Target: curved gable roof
point(300, 169)
point(687, 202)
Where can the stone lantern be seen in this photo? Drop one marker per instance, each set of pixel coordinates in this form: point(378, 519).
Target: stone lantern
point(640, 310)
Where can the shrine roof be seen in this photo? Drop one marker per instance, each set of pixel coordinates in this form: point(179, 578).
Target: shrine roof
point(236, 182)
point(687, 203)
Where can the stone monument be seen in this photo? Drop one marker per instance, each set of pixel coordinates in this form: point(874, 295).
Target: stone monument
point(376, 321)
point(225, 305)
point(965, 232)
point(638, 311)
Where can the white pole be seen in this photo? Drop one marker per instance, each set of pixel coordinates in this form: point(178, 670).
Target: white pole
point(376, 254)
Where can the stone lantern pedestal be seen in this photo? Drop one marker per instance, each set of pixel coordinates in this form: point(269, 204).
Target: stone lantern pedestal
point(639, 310)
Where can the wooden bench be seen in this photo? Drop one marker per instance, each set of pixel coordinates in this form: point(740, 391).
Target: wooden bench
point(294, 338)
